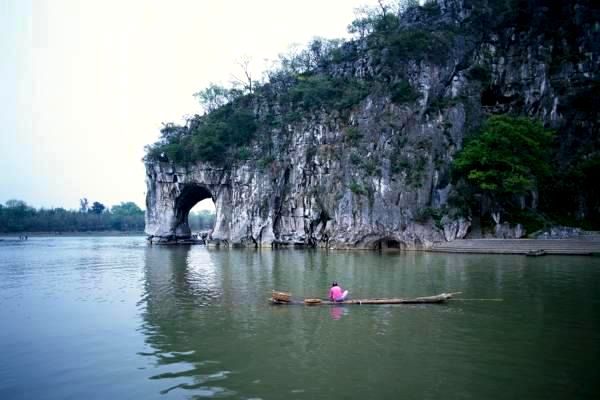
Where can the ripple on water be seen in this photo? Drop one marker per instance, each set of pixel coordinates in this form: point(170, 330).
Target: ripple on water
point(195, 377)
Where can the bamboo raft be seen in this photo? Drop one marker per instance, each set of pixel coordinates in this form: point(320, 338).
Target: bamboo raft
point(437, 299)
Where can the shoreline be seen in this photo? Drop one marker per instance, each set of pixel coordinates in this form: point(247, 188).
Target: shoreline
point(531, 247)
point(581, 246)
point(526, 247)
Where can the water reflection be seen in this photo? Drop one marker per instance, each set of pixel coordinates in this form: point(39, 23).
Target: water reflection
point(175, 289)
point(337, 312)
point(206, 315)
point(112, 318)
point(213, 333)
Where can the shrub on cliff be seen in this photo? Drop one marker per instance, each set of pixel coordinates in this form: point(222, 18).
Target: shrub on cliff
point(402, 92)
point(223, 129)
point(318, 90)
point(213, 137)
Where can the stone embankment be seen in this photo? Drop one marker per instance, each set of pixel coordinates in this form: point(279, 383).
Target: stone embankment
point(585, 245)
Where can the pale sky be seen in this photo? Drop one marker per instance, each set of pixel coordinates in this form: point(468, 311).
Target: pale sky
point(86, 84)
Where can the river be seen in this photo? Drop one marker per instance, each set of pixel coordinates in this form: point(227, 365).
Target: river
point(112, 318)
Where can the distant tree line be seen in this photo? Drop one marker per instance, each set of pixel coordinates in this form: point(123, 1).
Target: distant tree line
point(18, 216)
point(201, 221)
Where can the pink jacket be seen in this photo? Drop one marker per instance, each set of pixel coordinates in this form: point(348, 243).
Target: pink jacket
point(335, 293)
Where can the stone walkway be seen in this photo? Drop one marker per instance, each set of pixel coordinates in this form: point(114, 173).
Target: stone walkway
point(579, 246)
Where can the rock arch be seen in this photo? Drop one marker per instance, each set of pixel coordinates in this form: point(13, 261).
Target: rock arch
point(190, 194)
point(173, 191)
point(290, 203)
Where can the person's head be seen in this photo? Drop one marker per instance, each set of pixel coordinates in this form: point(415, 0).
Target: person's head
point(334, 283)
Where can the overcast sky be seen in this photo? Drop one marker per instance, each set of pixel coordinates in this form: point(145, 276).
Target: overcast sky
point(86, 84)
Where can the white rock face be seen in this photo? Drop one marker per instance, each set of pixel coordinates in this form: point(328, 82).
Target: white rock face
point(455, 229)
point(263, 208)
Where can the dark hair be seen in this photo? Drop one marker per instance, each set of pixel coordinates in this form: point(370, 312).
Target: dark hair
point(334, 283)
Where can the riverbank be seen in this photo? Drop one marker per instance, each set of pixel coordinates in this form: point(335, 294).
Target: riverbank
point(580, 246)
point(585, 245)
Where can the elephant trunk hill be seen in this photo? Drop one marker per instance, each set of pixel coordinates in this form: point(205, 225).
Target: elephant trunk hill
point(356, 149)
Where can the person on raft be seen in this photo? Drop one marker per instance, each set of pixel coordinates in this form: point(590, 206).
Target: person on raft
point(336, 293)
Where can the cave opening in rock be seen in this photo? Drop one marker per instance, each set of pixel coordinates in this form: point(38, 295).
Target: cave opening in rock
point(389, 244)
point(195, 212)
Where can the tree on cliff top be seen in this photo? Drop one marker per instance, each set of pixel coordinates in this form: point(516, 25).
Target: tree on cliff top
point(506, 159)
point(214, 96)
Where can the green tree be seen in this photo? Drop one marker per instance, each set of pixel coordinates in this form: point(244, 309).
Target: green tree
point(215, 96)
point(125, 209)
point(505, 160)
point(97, 208)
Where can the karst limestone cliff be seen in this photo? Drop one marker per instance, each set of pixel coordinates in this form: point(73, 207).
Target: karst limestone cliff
point(371, 176)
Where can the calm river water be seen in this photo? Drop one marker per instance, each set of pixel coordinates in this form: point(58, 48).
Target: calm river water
point(111, 318)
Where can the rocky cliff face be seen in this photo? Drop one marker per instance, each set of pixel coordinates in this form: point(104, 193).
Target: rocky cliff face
point(379, 174)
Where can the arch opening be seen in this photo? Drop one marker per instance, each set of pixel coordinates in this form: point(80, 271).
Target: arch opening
point(194, 212)
point(201, 218)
